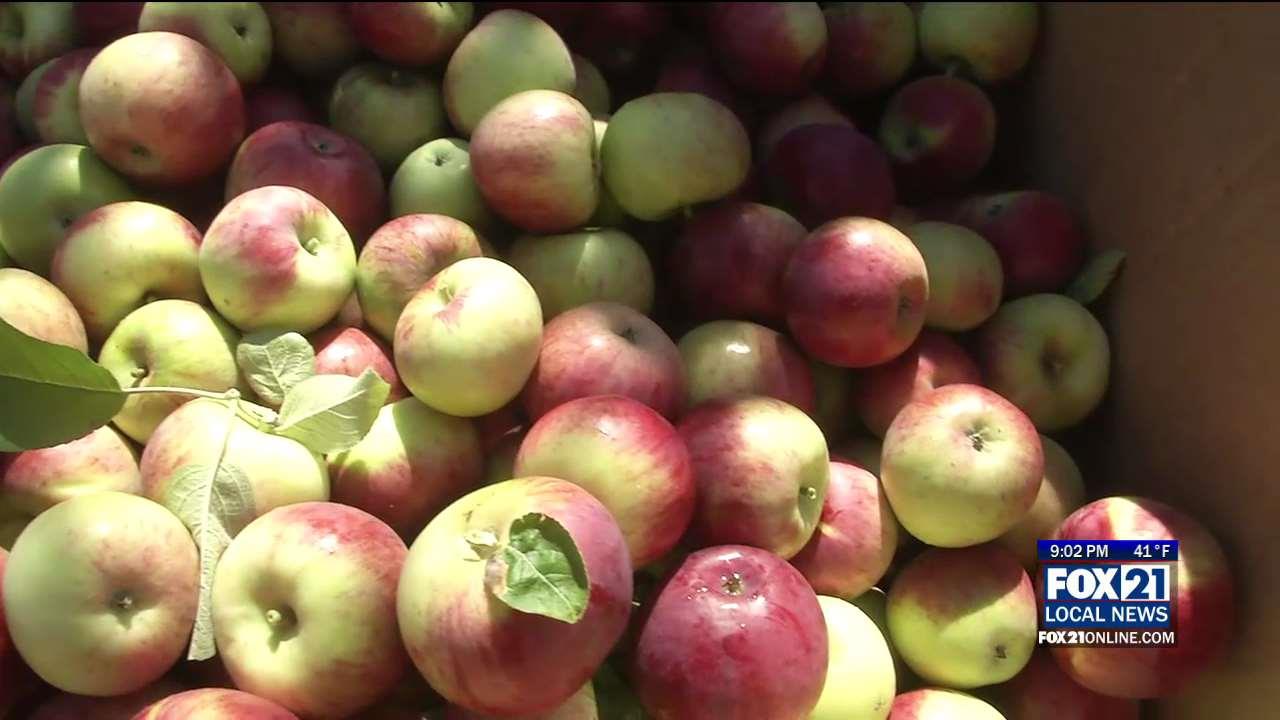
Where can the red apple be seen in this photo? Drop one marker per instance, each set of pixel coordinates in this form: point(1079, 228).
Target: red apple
point(690, 68)
point(98, 23)
point(856, 536)
point(55, 106)
point(934, 360)
point(855, 291)
point(312, 38)
point(411, 34)
point(214, 704)
point(871, 46)
point(735, 633)
point(622, 38)
point(1043, 692)
point(731, 358)
point(1039, 241)
point(939, 133)
point(350, 351)
point(65, 706)
point(266, 104)
point(769, 48)
point(823, 172)
point(809, 110)
point(934, 703)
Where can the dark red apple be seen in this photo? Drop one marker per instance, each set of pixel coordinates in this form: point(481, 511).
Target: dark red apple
point(690, 68)
point(266, 104)
point(622, 38)
point(1041, 691)
point(1039, 241)
point(351, 351)
point(9, 139)
point(934, 360)
point(98, 23)
point(939, 133)
point(823, 172)
point(769, 48)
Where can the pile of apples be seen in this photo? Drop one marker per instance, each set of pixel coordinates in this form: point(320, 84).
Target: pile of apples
point(719, 372)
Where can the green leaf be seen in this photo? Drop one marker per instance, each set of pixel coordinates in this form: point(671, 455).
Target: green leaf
point(52, 393)
point(331, 413)
point(1096, 276)
point(274, 363)
point(544, 573)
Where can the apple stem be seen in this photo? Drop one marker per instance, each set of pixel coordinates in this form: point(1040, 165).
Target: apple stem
point(179, 391)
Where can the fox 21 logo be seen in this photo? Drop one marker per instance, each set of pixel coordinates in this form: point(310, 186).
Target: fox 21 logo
point(1113, 593)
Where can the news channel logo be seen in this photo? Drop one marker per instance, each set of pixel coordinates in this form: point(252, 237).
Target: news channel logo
point(1108, 593)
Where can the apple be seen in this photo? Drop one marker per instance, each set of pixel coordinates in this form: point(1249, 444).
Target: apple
point(733, 633)
point(214, 704)
point(963, 617)
point(312, 38)
point(401, 257)
point(334, 169)
point(66, 706)
point(506, 53)
point(941, 704)
point(1205, 601)
point(100, 593)
point(15, 677)
point(689, 67)
point(590, 87)
point(436, 179)
point(605, 349)
point(266, 104)
point(345, 350)
point(130, 93)
point(1061, 492)
point(9, 138)
point(668, 151)
point(832, 408)
point(623, 38)
point(24, 99)
point(932, 361)
point(1043, 692)
point(500, 460)
point(991, 42)
point(168, 343)
point(855, 292)
point(1036, 235)
point(856, 537)
point(473, 648)
point(564, 17)
point(939, 132)
point(828, 171)
point(239, 32)
point(468, 340)
point(123, 255)
point(592, 265)
point(36, 307)
point(860, 676)
point(608, 212)
point(412, 463)
point(391, 111)
point(961, 465)
point(863, 452)
point(44, 191)
point(580, 706)
point(812, 109)
point(33, 33)
point(276, 257)
point(411, 34)
point(99, 23)
point(280, 471)
point(55, 98)
point(732, 358)
point(871, 46)
point(965, 278)
point(1049, 356)
point(769, 48)
point(762, 470)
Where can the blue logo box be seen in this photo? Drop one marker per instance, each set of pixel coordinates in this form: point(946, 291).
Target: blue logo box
point(1108, 584)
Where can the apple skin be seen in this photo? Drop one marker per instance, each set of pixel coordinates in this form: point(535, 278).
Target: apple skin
point(1205, 601)
point(963, 617)
point(401, 257)
point(266, 104)
point(55, 104)
point(933, 360)
point(468, 340)
point(769, 48)
point(780, 646)
point(507, 52)
point(750, 491)
point(36, 307)
point(481, 654)
point(625, 39)
point(625, 454)
point(334, 169)
point(16, 678)
point(214, 704)
point(870, 48)
point(350, 351)
point(9, 137)
point(939, 132)
point(590, 87)
point(312, 38)
point(856, 291)
point(412, 34)
point(690, 68)
point(592, 265)
point(1039, 241)
point(580, 706)
point(863, 452)
point(413, 462)
point(46, 189)
point(1062, 492)
point(811, 109)
point(1049, 356)
point(605, 349)
point(391, 111)
point(731, 358)
point(668, 151)
point(239, 32)
point(128, 97)
point(828, 171)
point(991, 42)
point(100, 23)
point(1043, 692)
point(860, 676)
point(65, 706)
point(120, 256)
point(941, 704)
point(856, 537)
point(436, 179)
point(961, 465)
point(35, 32)
point(330, 572)
point(752, 239)
point(81, 627)
point(966, 281)
point(276, 257)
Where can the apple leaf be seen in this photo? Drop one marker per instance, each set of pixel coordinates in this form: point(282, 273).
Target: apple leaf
point(540, 571)
point(331, 413)
point(52, 393)
point(1096, 277)
point(274, 363)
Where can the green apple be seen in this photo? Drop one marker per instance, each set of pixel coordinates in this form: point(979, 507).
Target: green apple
point(38, 308)
point(965, 278)
point(608, 212)
point(49, 99)
point(1061, 493)
point(590, 87)
point(592, 265)
point(391, 111)
point(312, 38)
point(942, 704)
point(123, 255)
point(168, 343)
point(24, 101)
point(860, 682)
point(436, 179)
point(989, 41)
point(468, 340)
point(507, 52)
point(874, 603)
point(731, 358)
point(100, 593)
point(33, 32)
point(239, 32)
point(668, 151)
point(44, 192)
